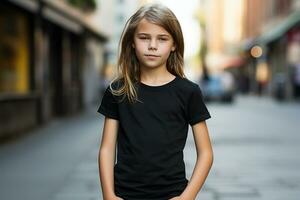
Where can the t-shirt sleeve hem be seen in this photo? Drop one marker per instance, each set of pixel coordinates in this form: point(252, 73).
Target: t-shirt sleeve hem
point(106, 113)
point(199, 118)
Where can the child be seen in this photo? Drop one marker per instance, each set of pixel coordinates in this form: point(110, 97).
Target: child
point(147, 111)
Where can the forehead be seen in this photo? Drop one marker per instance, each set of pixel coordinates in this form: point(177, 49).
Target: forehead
point(150, 28)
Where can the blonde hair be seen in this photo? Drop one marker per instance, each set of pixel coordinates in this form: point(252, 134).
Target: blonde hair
point(128, 64)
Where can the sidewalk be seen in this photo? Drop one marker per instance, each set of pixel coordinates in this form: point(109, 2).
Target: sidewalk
point(255, 142)
point(57, 161)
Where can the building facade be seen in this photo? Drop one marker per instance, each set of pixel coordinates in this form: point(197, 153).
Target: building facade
point(273, 30)
point(47, 52)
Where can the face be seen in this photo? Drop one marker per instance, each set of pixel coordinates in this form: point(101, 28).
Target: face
point(153, 44)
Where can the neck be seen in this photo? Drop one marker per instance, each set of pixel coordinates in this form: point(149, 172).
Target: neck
point(155, 76)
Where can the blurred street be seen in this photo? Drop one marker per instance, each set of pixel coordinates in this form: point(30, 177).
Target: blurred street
point(255, 142)
point(57, 58)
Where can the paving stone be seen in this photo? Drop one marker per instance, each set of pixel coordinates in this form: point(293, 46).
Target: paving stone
point(206, 195)
point(236, 190)
point(81, 196)
point(280, 194)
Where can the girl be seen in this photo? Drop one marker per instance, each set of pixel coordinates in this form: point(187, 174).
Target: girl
point(147, 110)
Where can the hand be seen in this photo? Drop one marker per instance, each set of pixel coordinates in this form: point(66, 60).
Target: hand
point(115, 198)
point(176, 198)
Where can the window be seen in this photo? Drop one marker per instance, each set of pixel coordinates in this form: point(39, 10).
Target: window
point(14, 67)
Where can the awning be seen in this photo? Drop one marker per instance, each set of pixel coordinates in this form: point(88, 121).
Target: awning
point(61, 20)
point(247, 44)
point(279, 30)
point(30, 5)
point(63, 15)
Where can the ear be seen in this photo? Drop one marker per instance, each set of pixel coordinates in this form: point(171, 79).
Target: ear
point(133, 46)
point(173, 48)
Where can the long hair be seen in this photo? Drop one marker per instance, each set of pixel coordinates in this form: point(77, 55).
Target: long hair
point(128, 64)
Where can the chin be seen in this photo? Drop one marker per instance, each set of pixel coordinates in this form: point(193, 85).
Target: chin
point(153, 65)
point(150, 65)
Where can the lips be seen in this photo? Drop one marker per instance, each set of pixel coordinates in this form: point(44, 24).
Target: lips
point(151, 56)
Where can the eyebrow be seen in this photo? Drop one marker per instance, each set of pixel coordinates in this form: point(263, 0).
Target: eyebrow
point(161, 35)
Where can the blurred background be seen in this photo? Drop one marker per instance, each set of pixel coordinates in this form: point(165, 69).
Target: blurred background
point(58, 56)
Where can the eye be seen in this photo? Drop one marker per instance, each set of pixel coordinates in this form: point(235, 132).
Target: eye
point(143, 38)
point(162, 39)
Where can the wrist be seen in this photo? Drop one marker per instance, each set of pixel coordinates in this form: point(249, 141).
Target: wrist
point(110, 196)
point(185, 196)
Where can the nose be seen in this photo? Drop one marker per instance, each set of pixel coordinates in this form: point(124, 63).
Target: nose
point(152, 45)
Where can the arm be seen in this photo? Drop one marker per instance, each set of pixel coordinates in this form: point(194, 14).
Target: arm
point(203, 163)
point(106, 157)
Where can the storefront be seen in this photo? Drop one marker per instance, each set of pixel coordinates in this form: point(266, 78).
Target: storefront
point(43, 54)
point(14, 56)
point(279, 43)
point(17, 100)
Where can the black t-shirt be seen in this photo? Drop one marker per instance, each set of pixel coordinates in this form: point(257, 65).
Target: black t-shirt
point(151, 137)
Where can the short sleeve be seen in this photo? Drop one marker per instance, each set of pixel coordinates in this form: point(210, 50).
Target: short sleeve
point(197, 110)
point(109, 105)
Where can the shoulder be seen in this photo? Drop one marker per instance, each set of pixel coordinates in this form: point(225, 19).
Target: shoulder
point(111, 88)
point(115, 89)
point(186, 85)
point(116, 84)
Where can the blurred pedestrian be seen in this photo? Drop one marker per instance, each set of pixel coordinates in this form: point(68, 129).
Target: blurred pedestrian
point(296, 81)
point(147, 110)
point(262, 76)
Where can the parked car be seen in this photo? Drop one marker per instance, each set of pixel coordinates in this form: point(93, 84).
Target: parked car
point(218, 87)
